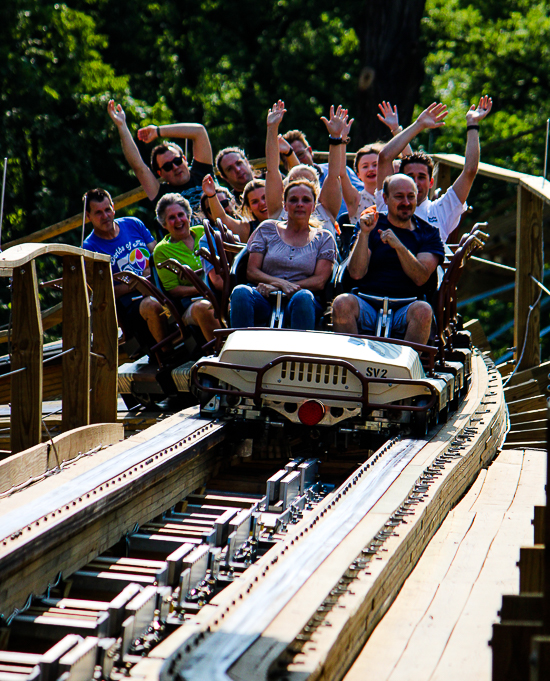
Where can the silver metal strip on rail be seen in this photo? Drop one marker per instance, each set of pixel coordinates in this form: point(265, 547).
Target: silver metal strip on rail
point(64, 494)
point(220, 650)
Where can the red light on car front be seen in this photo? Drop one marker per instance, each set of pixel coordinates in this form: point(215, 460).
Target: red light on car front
point(311, 412)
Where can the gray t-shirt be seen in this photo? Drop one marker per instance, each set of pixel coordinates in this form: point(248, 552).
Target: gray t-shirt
point(291, 263)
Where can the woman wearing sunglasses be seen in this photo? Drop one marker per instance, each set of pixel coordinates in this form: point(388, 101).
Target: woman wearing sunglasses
point(173, 213)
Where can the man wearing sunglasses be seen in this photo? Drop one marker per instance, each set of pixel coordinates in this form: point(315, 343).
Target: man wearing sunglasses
point(169, 170)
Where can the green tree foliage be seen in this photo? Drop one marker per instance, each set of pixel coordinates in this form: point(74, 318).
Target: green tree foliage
point(500, 48)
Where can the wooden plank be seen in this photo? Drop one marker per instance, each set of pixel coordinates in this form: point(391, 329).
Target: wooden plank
point(440, 623)
point(26, 386)
point(528, 264)
point(522, 390)
point(20, 255)
point(531, 435)
point(527, 405)
point(539, 530)
point(526, 416)
point(133, 196)
point(104, 374)
point(529, 425)
point(536, 185)
point(531, 562)
point(479, 339)
point(506, 368)
point(540, 658)
point(76, 342)
point(50, 317)
point(539, 373)
point(34, 462)
point(511, 645)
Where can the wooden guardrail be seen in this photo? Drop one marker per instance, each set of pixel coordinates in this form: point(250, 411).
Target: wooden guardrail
point(89, 368)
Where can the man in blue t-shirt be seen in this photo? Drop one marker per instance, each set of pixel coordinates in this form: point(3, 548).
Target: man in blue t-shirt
point(393, 256)
point(129, 243)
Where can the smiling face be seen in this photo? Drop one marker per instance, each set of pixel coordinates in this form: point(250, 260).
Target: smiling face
point(170, 171)
point(236, 170)
point(366, 171)
point(102, 217)
point(257, 203)
point(299, 203)
point(176, 222)
point(401, 199)
point(421, 176)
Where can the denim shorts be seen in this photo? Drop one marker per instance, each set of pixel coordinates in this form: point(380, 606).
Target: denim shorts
point(368, 315)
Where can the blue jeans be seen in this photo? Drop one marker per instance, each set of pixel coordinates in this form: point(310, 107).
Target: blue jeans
point(250, 308)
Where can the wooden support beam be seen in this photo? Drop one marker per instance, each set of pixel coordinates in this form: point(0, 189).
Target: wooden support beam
point(540, 658)
point(76, 341)
point(26, 386)
point(104, 374)
point(539, 524)
point(531, 563)
point(511, 645)
point(528, 264)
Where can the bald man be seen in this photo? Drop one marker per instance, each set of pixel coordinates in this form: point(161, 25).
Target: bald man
point(393, 256)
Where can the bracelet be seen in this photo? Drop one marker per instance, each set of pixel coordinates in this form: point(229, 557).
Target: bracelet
point(209, 196)
point(335, 140)
point(289, 153)
point(158, 132)
point(472, 127)
point(398, 129)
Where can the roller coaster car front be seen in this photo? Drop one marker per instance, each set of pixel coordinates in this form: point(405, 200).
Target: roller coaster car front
point(323, 379)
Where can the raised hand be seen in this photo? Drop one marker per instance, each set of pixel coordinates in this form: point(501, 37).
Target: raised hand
point(208, 185)
point(388, 116)
point(476, 114)
point(276, 113)
point(116, 112)
point(433, 116)
point(148, 134)
point(337, 122)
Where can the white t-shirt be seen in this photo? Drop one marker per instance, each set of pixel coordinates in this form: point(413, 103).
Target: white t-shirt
point(443, 213)
point(366, 200)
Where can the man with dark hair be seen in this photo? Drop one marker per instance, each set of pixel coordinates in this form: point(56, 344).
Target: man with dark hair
point(235, 169)
point(443, 213)
point(129, 244)
point(169, 170)
point(394, 255)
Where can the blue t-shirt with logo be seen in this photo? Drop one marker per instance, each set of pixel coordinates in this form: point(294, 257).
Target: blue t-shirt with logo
point(128, 250)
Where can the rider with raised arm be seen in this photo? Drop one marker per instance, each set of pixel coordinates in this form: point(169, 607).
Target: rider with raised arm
point(365, 165)
point(443, 213)
point(330, 196)
point(169, 170)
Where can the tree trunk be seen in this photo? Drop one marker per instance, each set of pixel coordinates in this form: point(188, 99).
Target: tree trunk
point(392, 70)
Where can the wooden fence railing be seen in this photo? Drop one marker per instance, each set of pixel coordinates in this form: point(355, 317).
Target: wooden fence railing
point(89, 368)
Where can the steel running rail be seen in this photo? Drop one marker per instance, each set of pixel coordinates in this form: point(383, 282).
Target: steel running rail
point(213, 658)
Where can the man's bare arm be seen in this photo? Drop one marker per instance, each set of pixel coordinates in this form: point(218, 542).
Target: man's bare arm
point(143, 173)
point(432, 117)
point(202, 150)
point(464, 181)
